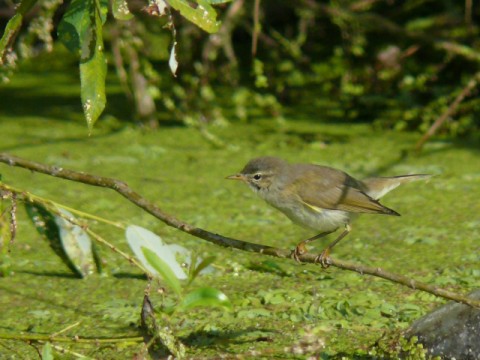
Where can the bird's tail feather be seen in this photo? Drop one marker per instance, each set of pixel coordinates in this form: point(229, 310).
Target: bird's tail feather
point(378, 186)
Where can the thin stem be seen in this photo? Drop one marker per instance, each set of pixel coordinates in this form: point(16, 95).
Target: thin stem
point(62, 350)
point(123, 189)
point(69, 339)
point(71, 326)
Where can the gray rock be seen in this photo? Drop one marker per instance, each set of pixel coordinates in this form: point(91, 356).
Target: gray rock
point(451, 332)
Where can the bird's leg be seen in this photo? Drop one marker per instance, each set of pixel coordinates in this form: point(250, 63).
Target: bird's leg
point(301, 248)
point(323, 258)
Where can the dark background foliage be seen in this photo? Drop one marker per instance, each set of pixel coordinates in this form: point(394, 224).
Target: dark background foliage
point(396, 64)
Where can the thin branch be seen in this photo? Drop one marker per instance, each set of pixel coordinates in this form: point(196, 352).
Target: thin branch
point(123, 189)
point(468, 12)
point(449, 112)
point(256, 26)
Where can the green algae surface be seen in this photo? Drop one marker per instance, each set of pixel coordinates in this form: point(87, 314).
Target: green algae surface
point(282, 309)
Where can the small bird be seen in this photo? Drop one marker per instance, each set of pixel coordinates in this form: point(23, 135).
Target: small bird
point(318, 197)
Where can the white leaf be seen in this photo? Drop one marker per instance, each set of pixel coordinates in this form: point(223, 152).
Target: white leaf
point(138, 237)
point(172, 62)
point(76, 244)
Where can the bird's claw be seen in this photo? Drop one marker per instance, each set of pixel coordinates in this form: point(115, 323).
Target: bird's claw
point(324, 258)
point(299, 250)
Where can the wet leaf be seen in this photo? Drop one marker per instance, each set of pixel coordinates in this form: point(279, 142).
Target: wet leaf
point(205, 297)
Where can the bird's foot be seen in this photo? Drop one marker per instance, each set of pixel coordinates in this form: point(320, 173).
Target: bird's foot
point(324, 258)
point(300, 249)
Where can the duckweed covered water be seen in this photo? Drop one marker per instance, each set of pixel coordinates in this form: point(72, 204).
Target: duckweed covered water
point(281, 309)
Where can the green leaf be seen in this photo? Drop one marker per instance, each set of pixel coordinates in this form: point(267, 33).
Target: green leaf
point(65, 242)
point(93, 73)
point(120, 10)
point(13, 27)
point(202, 265)
point(163, 269)
point(205, 297)
point(81, 32)
point(11, 30)
point(47, 352)
point(75, 29)
point(92, 82)
point(204, 15)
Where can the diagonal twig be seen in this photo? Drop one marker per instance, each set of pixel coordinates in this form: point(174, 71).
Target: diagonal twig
point(123, 189)
point(449, 112)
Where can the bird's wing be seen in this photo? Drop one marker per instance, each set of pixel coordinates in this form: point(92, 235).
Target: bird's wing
point(335, 190)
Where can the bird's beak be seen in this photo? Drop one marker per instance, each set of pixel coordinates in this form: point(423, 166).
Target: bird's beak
point(240, 177)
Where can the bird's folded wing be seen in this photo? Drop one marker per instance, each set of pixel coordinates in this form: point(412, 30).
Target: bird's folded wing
point(346, 196)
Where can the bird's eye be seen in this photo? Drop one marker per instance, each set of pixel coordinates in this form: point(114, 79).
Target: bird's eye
point(257, 176)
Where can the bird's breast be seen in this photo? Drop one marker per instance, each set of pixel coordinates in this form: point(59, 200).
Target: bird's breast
point(305, 215)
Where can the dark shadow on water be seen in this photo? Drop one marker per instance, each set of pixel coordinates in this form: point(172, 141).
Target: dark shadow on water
point(16, 104)
point(384, 168)
point(67, 275)
point(49, 300)
point(432, 147)
point(270, 267)
point(341, 355)
point(56, 274)
point(325, 137)
point(34, 141)
point(129, 276)
point(222, 339)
